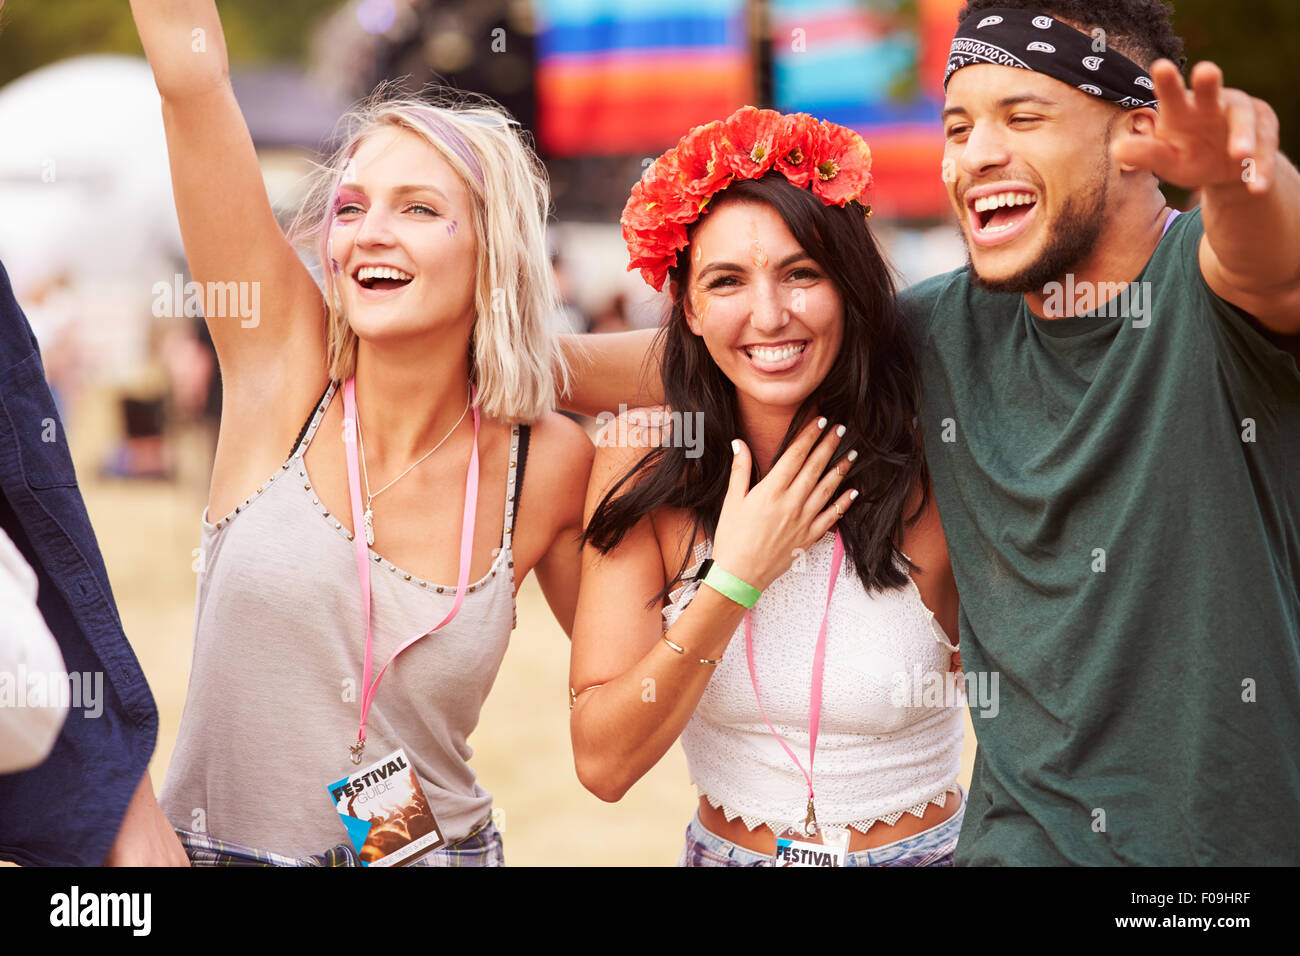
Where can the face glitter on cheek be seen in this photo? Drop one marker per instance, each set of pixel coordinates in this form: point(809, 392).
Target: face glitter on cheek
point(700, 302)
point(451, 229)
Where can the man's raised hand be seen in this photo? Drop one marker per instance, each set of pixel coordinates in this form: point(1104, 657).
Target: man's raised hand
point(1205, 136)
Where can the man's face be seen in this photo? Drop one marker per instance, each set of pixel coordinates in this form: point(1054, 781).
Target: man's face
point(1027, 164)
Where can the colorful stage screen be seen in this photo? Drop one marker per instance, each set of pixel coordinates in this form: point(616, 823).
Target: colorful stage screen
point(875, 66)
point(618, 77)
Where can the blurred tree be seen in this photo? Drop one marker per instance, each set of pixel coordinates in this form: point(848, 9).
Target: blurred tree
point(36, 32)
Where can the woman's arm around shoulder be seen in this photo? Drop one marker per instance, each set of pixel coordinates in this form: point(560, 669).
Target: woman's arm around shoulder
point(559, 461)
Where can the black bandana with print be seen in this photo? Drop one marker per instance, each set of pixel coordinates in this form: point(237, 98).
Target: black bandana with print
point(1035, 41)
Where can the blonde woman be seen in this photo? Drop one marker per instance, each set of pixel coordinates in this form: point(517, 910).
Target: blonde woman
point(399, 406)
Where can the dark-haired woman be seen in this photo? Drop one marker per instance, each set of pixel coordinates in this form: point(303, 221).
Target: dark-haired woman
point(764, 592)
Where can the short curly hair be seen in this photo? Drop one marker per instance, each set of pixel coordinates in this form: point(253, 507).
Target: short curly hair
point(1139, 29)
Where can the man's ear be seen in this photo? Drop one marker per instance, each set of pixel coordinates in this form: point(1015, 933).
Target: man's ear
point(1140, 122)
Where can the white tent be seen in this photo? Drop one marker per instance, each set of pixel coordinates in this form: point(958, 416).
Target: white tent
point(85, 194)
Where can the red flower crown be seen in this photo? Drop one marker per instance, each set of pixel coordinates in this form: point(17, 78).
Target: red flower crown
point(673, 192)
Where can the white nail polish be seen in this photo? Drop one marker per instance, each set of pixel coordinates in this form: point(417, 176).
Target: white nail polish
point(735, 446)
point(821, 423)
point(840, 430)
point(853, 495)
point(853, 455)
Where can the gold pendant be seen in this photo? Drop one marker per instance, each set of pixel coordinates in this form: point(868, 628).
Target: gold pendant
point(370, 527)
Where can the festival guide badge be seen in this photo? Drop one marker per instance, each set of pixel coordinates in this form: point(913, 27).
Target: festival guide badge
point(385, 812)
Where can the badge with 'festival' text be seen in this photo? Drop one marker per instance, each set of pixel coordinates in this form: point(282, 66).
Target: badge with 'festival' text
point(385, 812)
point(826, 847)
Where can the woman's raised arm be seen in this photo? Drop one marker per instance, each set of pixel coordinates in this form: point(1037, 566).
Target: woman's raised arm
point(230, 232)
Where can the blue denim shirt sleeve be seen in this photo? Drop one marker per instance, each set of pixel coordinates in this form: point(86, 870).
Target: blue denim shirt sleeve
point(67, 810)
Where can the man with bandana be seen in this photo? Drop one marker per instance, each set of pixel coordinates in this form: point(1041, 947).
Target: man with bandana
point(1112, 423)
point(1113, 431)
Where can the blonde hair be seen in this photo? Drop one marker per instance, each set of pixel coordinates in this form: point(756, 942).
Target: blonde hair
point(515, 360)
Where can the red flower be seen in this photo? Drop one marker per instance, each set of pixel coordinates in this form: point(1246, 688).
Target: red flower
point(842, 164)
point(676, 189)
point(751, 136)
point(801, 137)
point(653, 236)
point(696, 161)
point(655, 253)
point(654, 201)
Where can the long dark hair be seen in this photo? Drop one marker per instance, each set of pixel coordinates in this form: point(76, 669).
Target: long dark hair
point(873, 389)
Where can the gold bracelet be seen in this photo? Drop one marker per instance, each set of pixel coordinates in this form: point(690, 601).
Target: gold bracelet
point(574, 695)
point(681, 650)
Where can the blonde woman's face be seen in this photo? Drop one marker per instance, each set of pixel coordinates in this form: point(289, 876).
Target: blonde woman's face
point(403, 240)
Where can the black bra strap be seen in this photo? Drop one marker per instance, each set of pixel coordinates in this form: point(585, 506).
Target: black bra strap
point(302, 432)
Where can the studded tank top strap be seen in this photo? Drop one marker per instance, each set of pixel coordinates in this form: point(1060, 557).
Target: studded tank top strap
point(512, 481)
point(313, 422)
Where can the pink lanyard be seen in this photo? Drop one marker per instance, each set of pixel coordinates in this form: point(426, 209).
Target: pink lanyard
point(819, 667)
point(363, 565)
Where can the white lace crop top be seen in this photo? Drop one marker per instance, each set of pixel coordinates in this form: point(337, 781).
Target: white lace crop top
point(881, 751)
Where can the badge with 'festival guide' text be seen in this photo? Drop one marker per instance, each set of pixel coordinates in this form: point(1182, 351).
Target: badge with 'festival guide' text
point(385, 812)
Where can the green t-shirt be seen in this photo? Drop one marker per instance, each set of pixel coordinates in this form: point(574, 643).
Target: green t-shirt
point(1121, 498)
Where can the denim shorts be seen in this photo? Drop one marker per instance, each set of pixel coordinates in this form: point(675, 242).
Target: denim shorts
point(932, 847)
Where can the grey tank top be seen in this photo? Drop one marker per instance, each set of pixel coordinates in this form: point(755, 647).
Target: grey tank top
point(275, 692)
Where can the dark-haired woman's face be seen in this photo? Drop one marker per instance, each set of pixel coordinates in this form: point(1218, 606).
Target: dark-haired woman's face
point(769, 315)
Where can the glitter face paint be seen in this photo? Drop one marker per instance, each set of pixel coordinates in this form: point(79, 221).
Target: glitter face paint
point(700, 303)
point(756, 255)
point(347, 197)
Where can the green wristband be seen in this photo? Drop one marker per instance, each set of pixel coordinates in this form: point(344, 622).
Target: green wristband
point(730, 586)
